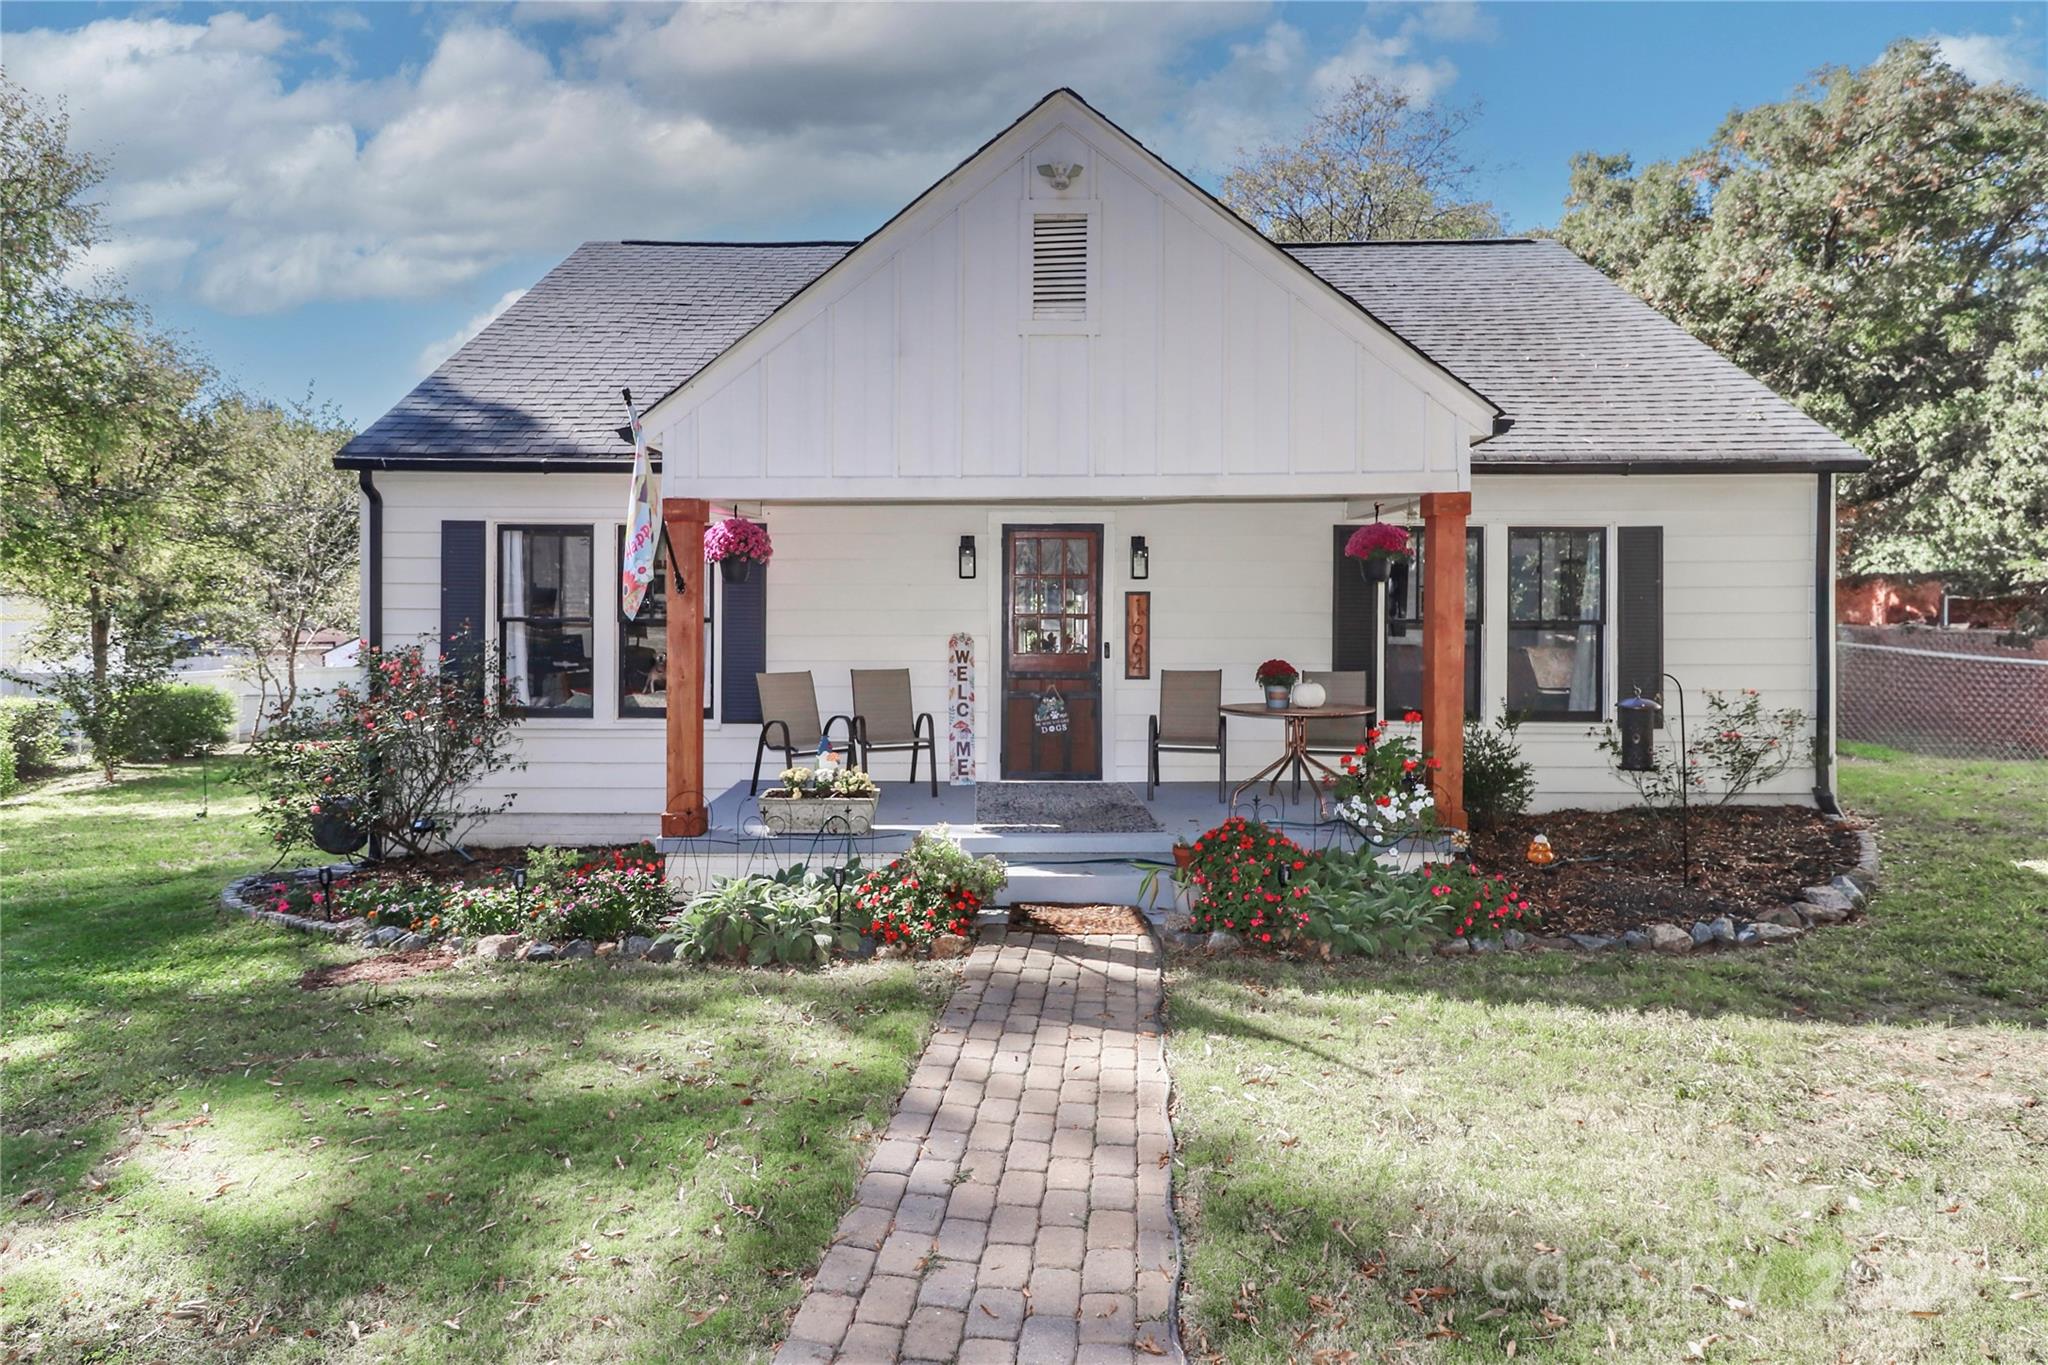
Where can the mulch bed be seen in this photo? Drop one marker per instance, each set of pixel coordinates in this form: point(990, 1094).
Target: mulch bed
point(382, 969)
point(1619, 870)
point(1046, 917)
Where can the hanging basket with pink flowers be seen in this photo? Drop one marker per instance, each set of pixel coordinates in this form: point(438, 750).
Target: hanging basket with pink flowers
point(1378, 546)
point(736, 545)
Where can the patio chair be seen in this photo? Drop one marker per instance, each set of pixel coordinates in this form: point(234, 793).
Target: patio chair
point(1188, 723)
point(789, 709)
point(1341, 735)
point(882, 720)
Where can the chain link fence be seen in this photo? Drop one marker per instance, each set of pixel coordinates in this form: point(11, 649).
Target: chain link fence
point(1942, 693)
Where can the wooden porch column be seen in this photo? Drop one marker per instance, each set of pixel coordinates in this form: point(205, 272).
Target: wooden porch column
point(685, 813)
point(1443, 648)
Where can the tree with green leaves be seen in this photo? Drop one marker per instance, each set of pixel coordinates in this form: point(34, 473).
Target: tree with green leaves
point(104, 447)
point(1875, 248)
point(1375, 164)
point(288, 537)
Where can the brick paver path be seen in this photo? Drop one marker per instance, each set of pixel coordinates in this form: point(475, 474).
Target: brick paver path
point(1017, 1209)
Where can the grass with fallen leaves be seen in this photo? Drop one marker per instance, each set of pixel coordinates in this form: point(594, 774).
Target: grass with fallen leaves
point(492, 1163)
point(1833, 1149)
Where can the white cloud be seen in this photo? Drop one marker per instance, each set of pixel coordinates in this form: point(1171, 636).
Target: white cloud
point(434, 352)
point(253, 186)
point(1990, 59)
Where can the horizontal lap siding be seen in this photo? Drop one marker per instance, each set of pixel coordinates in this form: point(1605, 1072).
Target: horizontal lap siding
point(876, 587)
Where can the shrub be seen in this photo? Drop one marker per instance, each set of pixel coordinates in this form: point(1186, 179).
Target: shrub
point(1244, 879)
point(1499, 782)
point(1471, 903)
point(764, 921)
point(935, 888)
point(179, 720)
point(31, 739)
point(404, 751)
point(1740, 745)
point(599, 895)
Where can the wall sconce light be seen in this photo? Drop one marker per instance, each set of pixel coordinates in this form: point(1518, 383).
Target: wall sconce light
point(1141, 558)
point(967, 556)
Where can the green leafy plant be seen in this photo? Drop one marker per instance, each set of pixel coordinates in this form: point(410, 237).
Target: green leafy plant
point(478, 911)
point(415, 906)
point(764, 921)
point(403, 753)
point(1740, 745)
point(1470, 903)
point(1356, 904)
point(1499, 782)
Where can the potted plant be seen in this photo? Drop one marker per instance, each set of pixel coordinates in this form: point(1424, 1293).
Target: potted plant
point(1378, 546)
point(813, 801)
point(1277, 677)
point(736, 545)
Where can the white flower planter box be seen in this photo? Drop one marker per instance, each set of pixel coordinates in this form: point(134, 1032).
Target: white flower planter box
point(786, 814)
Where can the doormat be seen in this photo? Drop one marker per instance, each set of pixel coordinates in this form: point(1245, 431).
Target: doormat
point(1052, 917)
point(1062, 808)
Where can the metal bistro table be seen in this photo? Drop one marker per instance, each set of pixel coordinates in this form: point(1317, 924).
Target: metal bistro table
point(1295, 757)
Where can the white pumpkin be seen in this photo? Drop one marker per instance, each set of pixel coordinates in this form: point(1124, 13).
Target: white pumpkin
point(1309, 694)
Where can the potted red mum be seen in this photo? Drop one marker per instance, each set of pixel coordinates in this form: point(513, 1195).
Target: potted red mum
point(1277, 677)
point(1377, 546)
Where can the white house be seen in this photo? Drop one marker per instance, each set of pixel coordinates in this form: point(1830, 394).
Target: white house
point(1065, 343)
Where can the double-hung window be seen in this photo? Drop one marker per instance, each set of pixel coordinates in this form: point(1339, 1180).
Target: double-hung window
point(643, 643)
point(545, 624)
point(1404, 626)
point(1557, 622)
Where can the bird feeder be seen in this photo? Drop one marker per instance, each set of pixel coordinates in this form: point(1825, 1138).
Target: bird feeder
point(1638, 719)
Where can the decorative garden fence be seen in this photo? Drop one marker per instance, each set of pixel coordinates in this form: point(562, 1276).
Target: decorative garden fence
point(1940, 695)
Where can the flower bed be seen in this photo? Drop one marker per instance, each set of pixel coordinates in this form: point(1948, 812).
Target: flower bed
point(1761, 875)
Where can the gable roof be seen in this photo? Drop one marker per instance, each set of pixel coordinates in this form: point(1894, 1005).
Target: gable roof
point(1592, 376)
point(541, 382)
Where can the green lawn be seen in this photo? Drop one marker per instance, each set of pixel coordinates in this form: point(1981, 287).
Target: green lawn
point(572, 1163)
point(1836, 1148)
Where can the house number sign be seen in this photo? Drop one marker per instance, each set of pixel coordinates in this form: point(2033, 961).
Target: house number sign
point(960, 708)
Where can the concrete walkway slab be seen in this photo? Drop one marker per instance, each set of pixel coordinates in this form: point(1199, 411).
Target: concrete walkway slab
point(1018, 1209)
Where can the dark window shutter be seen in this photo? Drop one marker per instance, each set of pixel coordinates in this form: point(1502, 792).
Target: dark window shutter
point(1639, 612)
point(462, 591)
point(1354, 626)
point(743, 635)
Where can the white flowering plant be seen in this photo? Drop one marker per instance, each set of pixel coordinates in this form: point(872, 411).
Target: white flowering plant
point(1383, 792)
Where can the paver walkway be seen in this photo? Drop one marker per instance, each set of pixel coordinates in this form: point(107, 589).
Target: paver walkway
point(1018, 1207)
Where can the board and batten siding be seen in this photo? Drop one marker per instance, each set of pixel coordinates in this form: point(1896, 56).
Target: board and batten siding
point(1209, 364)
point(875, 586)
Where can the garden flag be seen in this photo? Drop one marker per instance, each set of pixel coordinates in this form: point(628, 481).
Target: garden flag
point(636, 564)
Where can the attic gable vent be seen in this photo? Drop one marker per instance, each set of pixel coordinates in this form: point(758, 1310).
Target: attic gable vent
point(1059, 274)
point(1059, 267)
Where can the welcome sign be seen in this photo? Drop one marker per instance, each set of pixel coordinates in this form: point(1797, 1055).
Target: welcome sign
point(960, 707)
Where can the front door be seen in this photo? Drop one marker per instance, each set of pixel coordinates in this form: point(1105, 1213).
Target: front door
point(1052, 652)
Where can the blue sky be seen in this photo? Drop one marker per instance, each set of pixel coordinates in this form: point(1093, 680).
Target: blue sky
point(331, 196)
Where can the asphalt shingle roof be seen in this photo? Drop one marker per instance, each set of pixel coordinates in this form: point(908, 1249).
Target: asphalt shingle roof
point(1591, 376)
point(1590, 373)
point(542, 380)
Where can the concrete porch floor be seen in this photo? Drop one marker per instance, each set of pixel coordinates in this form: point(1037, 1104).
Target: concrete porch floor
point(1045, 863)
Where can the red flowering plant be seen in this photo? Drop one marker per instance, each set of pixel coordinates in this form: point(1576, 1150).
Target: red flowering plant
point(399, 755)
point(1378, 540)
point(1246, 882)
point(1276, 673)
point(1384, 792)
point(1472, 903)
point(935, 888)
